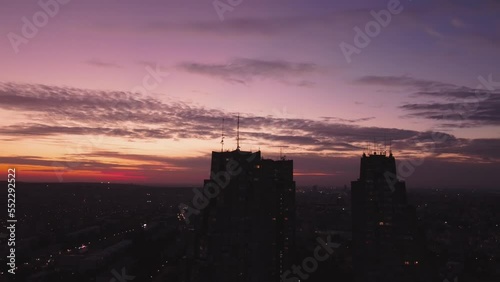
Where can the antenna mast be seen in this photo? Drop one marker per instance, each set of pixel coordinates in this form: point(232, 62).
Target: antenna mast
point(238, 134)
point(385, 145)
point(222, 136)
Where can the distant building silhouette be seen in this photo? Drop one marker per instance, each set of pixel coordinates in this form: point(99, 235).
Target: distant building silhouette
point(386, 245)
point(247, 231)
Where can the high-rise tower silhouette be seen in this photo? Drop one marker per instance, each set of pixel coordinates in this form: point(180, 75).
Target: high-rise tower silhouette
point(247, 231)
point(385, 238)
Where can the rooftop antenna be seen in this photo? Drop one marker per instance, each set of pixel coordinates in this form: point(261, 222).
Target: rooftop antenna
point(222, 136)
point(390, 147)
point(385, 144)
point(282, 157)
point(238, 134)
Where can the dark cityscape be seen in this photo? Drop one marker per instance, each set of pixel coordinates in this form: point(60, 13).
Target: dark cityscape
point(257, 227)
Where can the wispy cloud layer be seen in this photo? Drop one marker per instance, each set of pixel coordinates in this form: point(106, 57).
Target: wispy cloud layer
point(401, 81)
point(56, 111)
point(444, 102)
point(103, 64)
point(245, 70)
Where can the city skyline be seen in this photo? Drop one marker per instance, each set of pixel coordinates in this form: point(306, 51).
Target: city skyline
point(136, 93)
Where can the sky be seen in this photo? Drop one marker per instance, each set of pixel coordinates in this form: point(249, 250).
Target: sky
point(136, 91)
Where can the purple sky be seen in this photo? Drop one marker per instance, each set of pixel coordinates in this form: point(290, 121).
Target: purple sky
point(135, 91)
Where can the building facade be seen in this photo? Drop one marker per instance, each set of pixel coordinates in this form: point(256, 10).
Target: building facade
point(386, 245)
point(247, 231)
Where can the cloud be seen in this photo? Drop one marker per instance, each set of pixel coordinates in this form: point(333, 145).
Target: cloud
point(244, 70)
point(401, 81)
point(329, 20)
point(56, 111)
point(458, 23)
point(305, 83)
point(328, 148)
point(96, 166)
point(233, 27)
point(464, 106)
point(58, 163)
point(485, 149)
point(64, 110)
point(102, 64)
point(342, 120)
point(259, 26)
point(467, 113)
